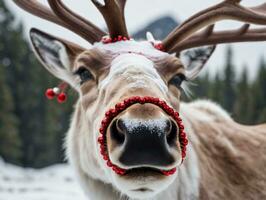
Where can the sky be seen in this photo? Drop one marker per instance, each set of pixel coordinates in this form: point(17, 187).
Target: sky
point(140, 12)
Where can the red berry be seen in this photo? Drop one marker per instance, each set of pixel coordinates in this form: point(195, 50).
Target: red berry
point(50, 93)
point(61, 98)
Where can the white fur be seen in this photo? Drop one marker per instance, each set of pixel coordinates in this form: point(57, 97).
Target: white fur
point(211, 109)
point(137, 69)
point(145, 48)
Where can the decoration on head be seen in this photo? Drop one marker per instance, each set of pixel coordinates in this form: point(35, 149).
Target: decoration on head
point(196, 31)
point(58, 92)
point(120, 107)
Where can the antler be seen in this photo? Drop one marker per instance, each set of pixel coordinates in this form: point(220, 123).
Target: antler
point(63, 17)
point(209, 37)
point(113, 13)
point(228, 9)
point(84, 28)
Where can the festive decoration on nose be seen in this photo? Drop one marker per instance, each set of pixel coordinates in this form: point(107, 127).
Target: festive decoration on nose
point(120, 107)
point(58, 92)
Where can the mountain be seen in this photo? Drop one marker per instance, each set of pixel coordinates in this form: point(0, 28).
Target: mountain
point(160, 28)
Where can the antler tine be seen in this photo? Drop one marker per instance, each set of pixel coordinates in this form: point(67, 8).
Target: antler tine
point(39, 10)
point(113, 13)
point(243, 34)
point(228, 9)
point(85, 28)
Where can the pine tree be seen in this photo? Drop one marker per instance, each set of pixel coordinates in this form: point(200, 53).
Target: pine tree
point(9, 138)
point(229, 82)
point(243, 106)
point(40, 123)
point(215, 91)
point(259, 93)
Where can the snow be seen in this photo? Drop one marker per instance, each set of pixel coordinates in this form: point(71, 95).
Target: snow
point(56, 182)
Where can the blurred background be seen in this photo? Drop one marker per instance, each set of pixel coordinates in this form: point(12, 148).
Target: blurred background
point(32, 129)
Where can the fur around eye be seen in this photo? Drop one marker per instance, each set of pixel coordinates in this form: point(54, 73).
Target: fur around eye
point(177, 80)
point(84, 74)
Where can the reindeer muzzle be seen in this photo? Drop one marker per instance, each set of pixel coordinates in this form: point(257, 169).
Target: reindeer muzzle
point(112, 113)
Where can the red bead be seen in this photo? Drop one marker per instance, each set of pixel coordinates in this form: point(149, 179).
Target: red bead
point(109, 164)
point(184, 148)
point(137, 99)
point(182, 135)
point(105, 122)
point(102, 152)
point(127, 102)
point(181, 127)
point(50, 94)
point(108, 114)
point(183, 154)
point(185, 142)
point(120, 106)
point(159, 46)
point(113, 112)
point(156, 100)
point(176, 115)
point(142, 100)
point(172, 171)
point(101, 140)
point(146, 99)
point(101, 130)
point(61, 98)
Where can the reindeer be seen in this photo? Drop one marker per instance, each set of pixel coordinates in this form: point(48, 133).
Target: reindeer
point(130, 136)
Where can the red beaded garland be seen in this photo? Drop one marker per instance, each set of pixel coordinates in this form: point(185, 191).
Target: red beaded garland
point(108, 40)
point(119, 107)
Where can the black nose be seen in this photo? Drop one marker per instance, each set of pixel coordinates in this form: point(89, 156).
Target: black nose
point(145, 142)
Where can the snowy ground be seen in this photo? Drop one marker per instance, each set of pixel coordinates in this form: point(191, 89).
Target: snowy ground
point(52, 183)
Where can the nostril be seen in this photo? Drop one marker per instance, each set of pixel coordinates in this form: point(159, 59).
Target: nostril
point(117, 131)
point(168, 127)
point(172, 133)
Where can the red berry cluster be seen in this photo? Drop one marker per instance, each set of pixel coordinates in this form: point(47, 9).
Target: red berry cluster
point(120, 107)
point(108, 40)
point(51, 93)
point(159, 46)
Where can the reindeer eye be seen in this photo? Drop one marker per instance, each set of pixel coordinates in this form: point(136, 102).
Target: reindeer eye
point(177, 80)
point(84, 74)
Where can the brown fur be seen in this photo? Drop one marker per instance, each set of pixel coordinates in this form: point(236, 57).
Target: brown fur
point(232, 160)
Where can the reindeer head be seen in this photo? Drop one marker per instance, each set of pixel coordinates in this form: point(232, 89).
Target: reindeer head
point(127, 127)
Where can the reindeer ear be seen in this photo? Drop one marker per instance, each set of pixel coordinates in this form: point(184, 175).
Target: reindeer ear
point(55, 54)
point(195, 59)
